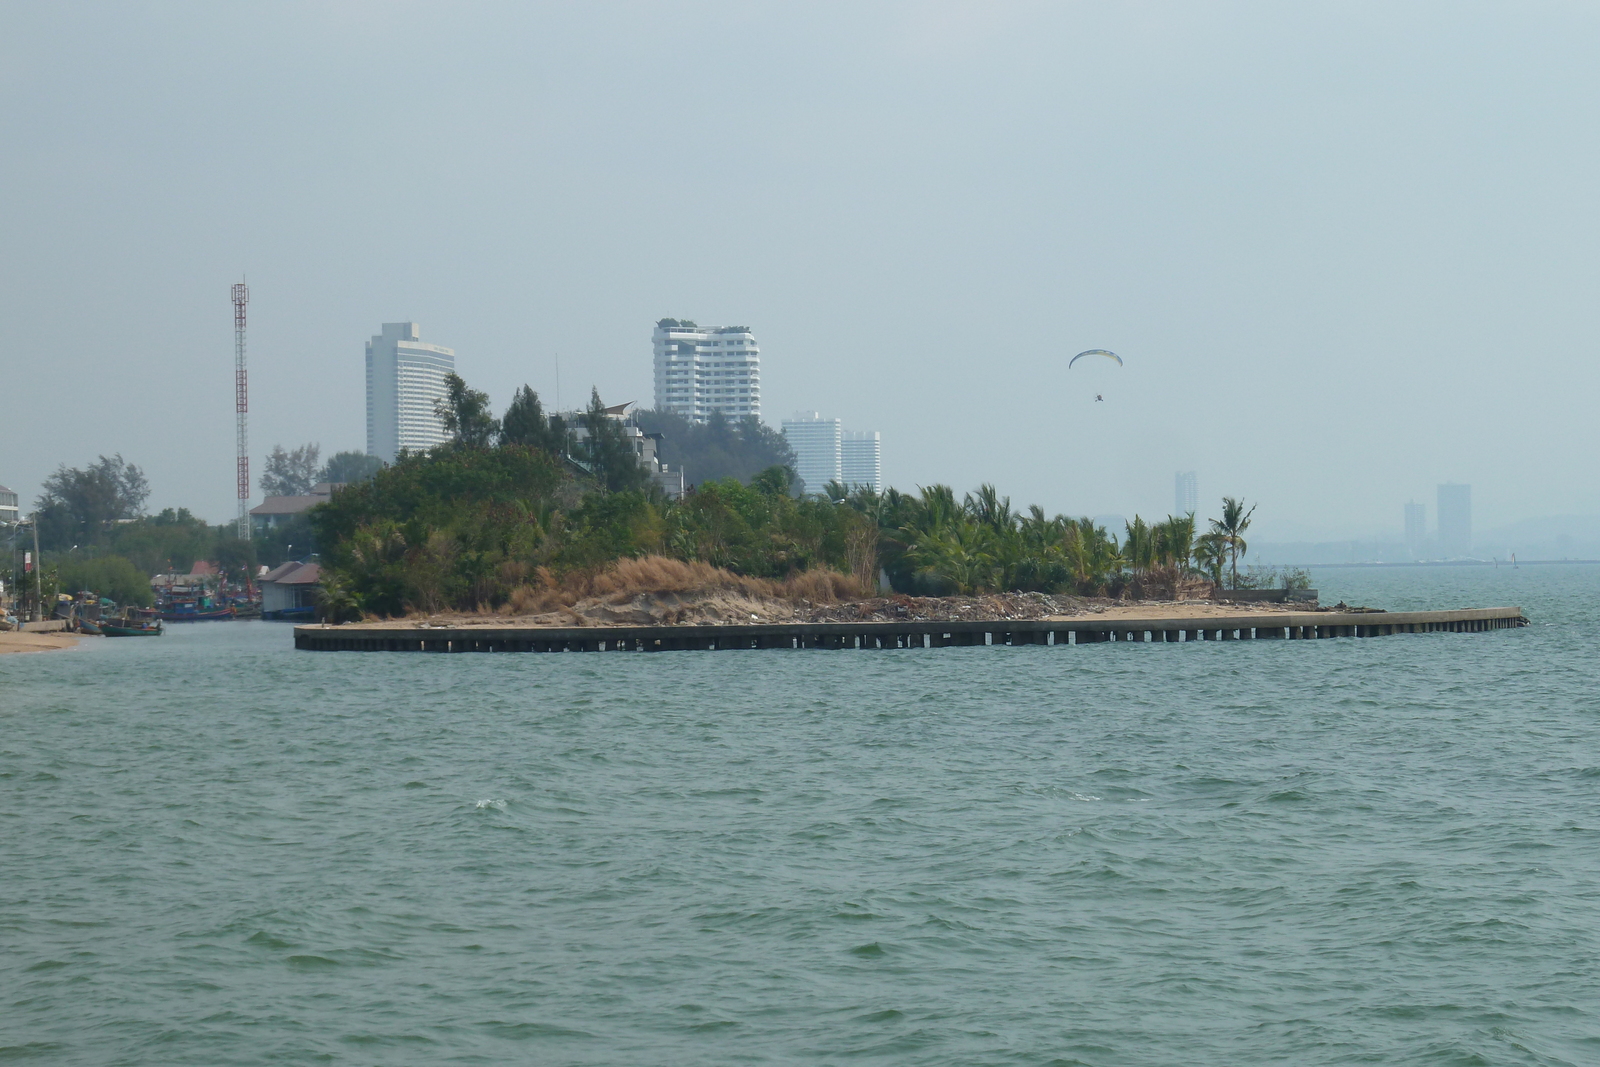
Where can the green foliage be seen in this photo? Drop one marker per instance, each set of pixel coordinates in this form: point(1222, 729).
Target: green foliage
point(293, 538)
point(1230, 531)
point(465, 414)
point(605, 450)
point(291, 473)
point(525, 423)
point(114, 577)
point(80, 505)
point(336, 603)
point(348, 468)
point(465, 525)
point(170, 541)
point(717, 448)
point(435, 529)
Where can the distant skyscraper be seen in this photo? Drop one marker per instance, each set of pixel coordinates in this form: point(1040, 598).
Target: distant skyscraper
point(706, 369)
point(861, 460)
point(1416, 527)
point(1454, 512)
point(817, 449)
point(404, 378)
point(1186, 493)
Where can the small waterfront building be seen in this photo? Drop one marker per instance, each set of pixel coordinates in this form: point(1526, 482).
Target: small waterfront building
point(646, 446)
point(706, 370)
point(277, 510)
point(404, 379)
point(289, 590)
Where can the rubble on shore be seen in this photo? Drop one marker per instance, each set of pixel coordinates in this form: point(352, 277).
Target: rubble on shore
point(713, 607)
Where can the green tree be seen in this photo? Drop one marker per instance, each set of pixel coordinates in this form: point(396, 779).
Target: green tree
point(79, 505)
point(1230, 528)
point(717, 448)
point(1211, 554)
point(525, 423)
point(348, 468)
point(170, 541)
point(607, 451)
point(113, 577)
point(465, 414)
point(291, 473)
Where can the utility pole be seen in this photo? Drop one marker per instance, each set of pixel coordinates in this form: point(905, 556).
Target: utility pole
point(241, 388)
point(38, 573)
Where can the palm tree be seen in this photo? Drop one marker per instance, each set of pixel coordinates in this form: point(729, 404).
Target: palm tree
point(1211, 553)
point(1175, 541)
point(990, 508)
point(1231, 527)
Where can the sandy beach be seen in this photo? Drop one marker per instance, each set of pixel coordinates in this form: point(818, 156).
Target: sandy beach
point(13, 641)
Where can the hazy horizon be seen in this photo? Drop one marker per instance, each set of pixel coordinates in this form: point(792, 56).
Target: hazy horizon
point(1345, 249)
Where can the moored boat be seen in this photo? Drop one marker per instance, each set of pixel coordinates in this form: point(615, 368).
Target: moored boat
point(191, 613)
point(113, 630)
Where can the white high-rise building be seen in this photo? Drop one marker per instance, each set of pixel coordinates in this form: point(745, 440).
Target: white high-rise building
point(404, 378)
point(817, 453)
point(861, 460)
point(1186, 493)
point(705, 369)
point(1416, 526)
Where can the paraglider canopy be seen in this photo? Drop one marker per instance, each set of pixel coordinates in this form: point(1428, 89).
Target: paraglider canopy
point(1094, 352)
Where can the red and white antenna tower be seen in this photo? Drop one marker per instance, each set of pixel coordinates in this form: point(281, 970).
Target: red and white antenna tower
point(241, 386)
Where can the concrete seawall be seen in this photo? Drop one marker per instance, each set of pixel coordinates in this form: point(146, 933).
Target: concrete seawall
point(1078, 631)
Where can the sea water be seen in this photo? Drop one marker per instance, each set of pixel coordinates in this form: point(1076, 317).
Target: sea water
point(217, 850)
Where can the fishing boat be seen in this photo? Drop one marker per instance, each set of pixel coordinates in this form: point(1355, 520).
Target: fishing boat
point(114, 630)
point(192, 613)
point(89, 626)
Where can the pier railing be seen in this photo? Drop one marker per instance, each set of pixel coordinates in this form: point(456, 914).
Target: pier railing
point(1084, 630)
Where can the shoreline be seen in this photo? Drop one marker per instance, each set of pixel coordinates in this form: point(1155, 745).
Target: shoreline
point(20, 641)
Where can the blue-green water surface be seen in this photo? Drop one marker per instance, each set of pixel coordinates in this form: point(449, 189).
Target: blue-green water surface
point(217, 850)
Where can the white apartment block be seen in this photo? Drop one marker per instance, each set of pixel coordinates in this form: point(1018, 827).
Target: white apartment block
point(861, 460)
point(705, 369)
point(404, 378)
point(817, 454)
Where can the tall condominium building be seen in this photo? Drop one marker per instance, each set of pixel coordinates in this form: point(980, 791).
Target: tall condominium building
point(404, 378)
point(861, 460)
point(1454, 511)
point(705, 369)
point(9, 509)
point(817, 449)
point(1416, 526)
point(1186, 493)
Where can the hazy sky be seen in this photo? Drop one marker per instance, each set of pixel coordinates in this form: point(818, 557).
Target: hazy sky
point(1348, 251)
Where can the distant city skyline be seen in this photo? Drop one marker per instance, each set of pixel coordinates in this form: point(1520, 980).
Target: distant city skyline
point(1352, 211)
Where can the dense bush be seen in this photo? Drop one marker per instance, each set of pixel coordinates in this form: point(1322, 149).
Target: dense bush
point(115, 577)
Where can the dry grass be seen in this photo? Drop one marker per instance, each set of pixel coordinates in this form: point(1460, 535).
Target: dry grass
point(625, 579)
